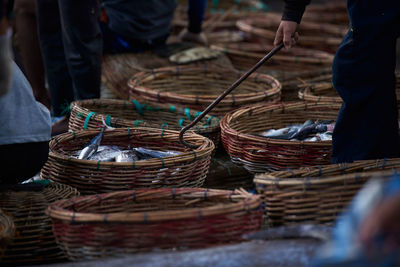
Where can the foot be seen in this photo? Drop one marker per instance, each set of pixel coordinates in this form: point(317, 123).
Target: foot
point(60, 126)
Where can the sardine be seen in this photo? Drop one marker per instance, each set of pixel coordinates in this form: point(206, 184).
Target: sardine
point(91, 148)
point(106, 153)
point(126, 156)
point(145, 153)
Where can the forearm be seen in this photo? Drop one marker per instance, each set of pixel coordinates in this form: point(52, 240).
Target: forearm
point(294, 9)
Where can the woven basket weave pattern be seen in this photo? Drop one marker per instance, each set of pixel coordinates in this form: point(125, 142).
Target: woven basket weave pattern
point(136, 221)
point(187, 169)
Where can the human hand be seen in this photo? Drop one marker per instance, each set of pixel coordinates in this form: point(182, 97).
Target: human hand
point(287, 32)
point(199, 38)
point(383, 220)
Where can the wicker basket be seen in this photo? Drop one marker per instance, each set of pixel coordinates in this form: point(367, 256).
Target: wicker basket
point(260, 154)
point(90, 114)
point(317, 194)
point(34, 241)
point(187, 169)
point(244, 55)
point(329, 36)
point(135, 221)
point(321, 90)
point(117, 69)
point(7, 231)
point(196, 88)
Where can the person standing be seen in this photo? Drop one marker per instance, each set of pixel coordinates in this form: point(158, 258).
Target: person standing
point(363, 75)
point(71, 44)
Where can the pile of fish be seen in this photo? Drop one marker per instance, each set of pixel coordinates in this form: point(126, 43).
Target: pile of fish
point(310, 131)
point(94, 151)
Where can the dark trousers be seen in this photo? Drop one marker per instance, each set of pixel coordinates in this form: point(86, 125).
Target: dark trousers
point(22, 161)
point(71, 43)
point(364, 76)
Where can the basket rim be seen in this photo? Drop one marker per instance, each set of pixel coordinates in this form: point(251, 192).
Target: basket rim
point(284, 106)
point(203, 150)
point(212, 122)
point(134, 85)
point(249, 202)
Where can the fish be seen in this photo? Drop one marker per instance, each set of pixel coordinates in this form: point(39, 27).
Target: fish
point(106, 153)
point(145, 153)
point(126, 156)
point(92, 147)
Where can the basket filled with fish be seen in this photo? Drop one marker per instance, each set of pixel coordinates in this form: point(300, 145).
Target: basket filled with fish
point(328, 38)
point(198, 87)
point(279, 136)
point(97, 161)
point(122, 222)
point(97, 113)
point(25, 205)
point(317, 194)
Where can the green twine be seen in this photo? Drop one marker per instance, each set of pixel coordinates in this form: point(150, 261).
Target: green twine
point(138, 106)
point(209, 120)
point(187, 113)
point(181, 122)
point(172, 108)
point(162, 163)
point(136, 123)
point(80, 115)
point(198, 113)
point(108, 120)
point(164, 125)
point(133, 164)
point(85, 125)
point(98, 165)
point(65, 108)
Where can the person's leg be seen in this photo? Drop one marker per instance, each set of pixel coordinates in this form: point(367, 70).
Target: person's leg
point(363, 75)
point(58, 78)
point(28, 43)
point(82, 45)
point(22, 161)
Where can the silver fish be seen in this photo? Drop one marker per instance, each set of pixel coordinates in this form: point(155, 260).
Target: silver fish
point(106, 153)
point(126, 156)
point(91, 148)
point(145, 153)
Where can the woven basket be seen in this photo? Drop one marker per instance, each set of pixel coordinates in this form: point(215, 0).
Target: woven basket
point(244, 55)
point(34, 241)
point(7, 231)
point(317, 194)
point(321, 90)
point(260, 154)
point(329, 36)
point(187, 169)
point(137, 221)
point(196, 88)
point(90, 114)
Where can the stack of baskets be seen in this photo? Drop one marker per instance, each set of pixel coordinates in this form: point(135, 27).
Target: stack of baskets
point(33, 241)
point(94, 113)
point(257, 154)
point(317, 194)
point(187, 169)
point(142, 220)
point(196, 88)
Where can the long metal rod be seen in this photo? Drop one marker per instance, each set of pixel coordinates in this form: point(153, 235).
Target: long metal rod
point(224, 94)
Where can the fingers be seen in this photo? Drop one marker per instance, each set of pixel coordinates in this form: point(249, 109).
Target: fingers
point(278, 36)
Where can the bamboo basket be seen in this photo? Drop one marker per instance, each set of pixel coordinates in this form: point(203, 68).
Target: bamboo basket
point(244, 55)
point(321, 90)
point(188, 169)
point(91, 114)
point(143, 220)
point(196, 88)
point(7, 232)
point(329, 36)
point(260, 154)
point(117, 69)
point(317, 194)
point(34, 242)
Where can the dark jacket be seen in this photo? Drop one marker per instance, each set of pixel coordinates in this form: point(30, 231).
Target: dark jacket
point(294, 10)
